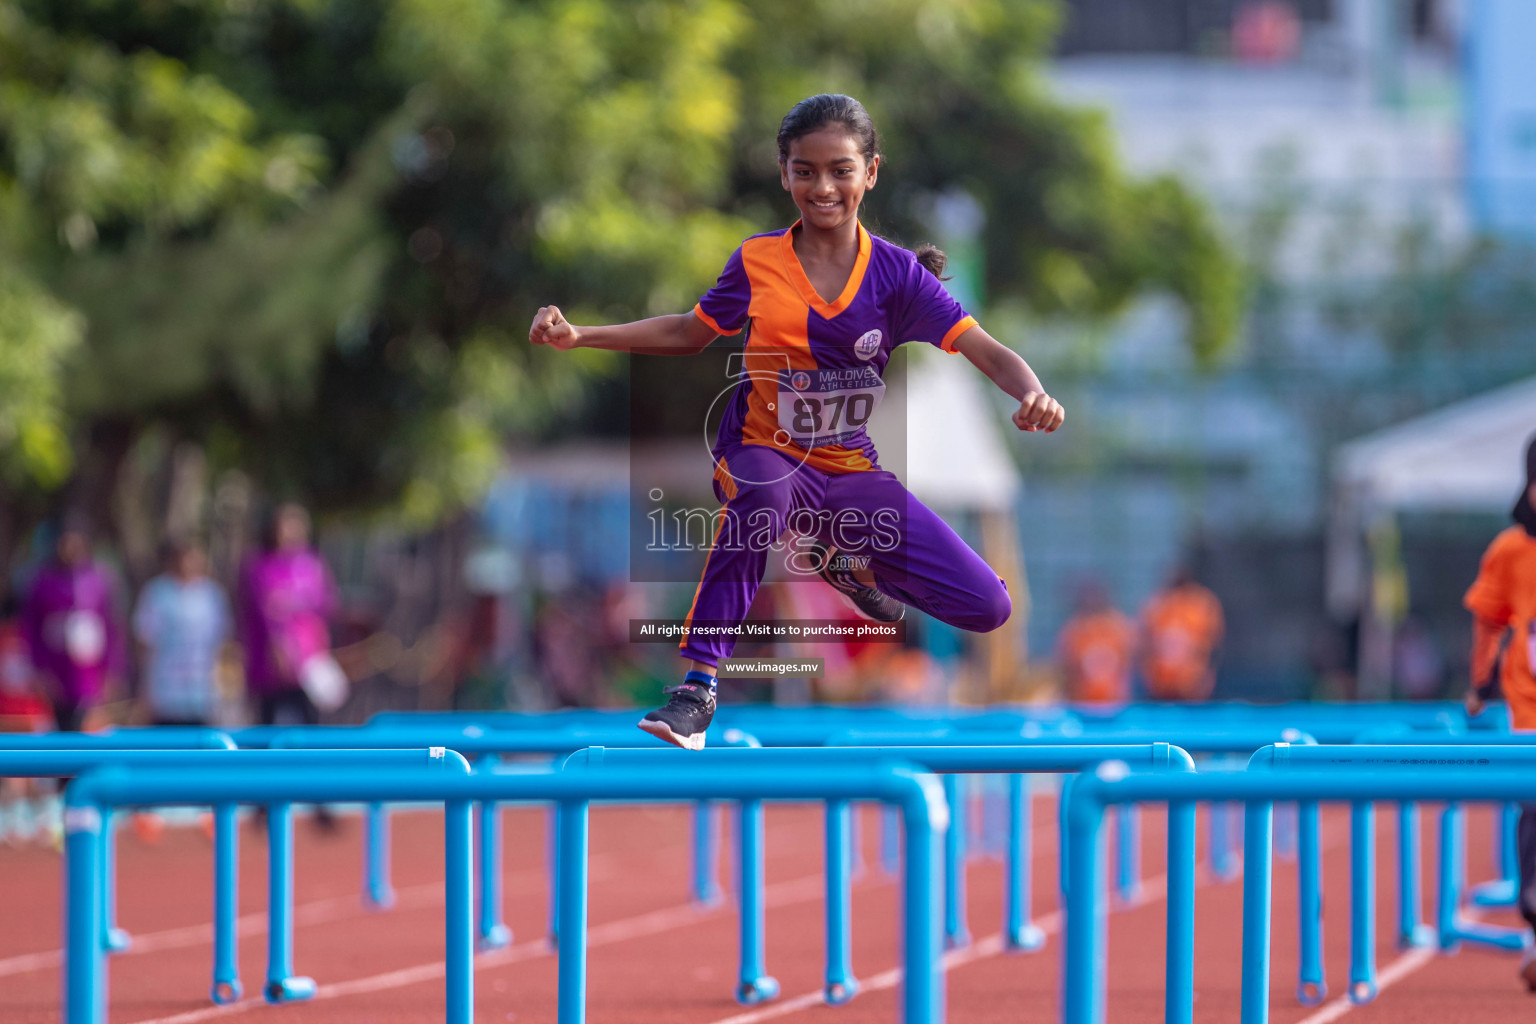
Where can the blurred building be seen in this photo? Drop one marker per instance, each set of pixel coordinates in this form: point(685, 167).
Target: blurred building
point(1360, 152)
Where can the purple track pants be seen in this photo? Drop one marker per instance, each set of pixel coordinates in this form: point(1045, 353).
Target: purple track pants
point(915, 556)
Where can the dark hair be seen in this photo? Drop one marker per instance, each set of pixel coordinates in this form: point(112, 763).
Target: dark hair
point(817, 112)
point(933, 259)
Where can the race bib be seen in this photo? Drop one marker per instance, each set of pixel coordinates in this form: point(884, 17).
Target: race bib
point(85, 637)
point(822, 407)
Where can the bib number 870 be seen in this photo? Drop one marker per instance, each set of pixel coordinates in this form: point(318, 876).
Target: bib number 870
point(816, 416)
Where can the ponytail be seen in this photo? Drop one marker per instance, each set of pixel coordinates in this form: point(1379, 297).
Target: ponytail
point(933, 259)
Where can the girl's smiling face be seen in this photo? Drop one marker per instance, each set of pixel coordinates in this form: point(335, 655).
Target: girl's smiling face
point(826, 175)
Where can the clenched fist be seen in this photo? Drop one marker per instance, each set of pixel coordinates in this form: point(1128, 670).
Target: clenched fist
point(1039, 411)
point(550, 327)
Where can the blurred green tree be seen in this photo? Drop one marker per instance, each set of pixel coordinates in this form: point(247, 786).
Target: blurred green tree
point(309, 234)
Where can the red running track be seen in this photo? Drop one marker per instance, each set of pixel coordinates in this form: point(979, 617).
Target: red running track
point(656, 958)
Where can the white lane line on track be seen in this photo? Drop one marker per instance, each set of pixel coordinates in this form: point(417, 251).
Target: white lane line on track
point(778, 895)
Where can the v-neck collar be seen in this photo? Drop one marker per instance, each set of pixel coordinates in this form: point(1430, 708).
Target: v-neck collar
point(808, 292)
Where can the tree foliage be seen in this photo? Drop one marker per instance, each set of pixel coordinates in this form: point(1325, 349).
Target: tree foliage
point(310, 233)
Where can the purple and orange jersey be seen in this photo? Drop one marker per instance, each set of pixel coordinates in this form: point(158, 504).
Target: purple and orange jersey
point(813, 370)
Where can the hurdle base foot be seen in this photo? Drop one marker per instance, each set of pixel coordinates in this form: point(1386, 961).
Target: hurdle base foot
point(1511, 939)
point(383, 899)
point(1027, 939)
point(837, 993)
point(1501, 893)
point(1421, 937)
point(959, 940)
point(1362, 992)
point(1311, 993)
point(496, 937)
point(289, 990)
point(224, 992)
point(116, 940)
point(758, 990)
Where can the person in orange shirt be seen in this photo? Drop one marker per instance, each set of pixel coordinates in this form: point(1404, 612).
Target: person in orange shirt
point(1182, 626)
point(1095, 650)
point(1502, 601)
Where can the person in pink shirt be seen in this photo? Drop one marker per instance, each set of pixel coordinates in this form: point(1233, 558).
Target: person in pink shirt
point(69, 620)
point(287, 596)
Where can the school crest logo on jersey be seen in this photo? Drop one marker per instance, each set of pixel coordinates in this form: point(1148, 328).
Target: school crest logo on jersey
point(868, 344)
point(800, 381)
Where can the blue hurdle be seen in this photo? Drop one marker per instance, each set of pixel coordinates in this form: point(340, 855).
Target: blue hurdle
point(70, 753)
point(281, 984)
point(840, 985)
point(917, 794)
point(1111, 784)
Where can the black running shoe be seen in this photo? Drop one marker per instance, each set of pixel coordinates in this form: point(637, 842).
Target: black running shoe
point(685, 718)
point(867, 601)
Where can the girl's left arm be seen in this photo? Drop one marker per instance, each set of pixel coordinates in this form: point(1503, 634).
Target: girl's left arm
point(1007, 369)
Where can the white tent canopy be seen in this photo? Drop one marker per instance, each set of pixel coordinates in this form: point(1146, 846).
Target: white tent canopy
point(1469, 456)
point(955, 456)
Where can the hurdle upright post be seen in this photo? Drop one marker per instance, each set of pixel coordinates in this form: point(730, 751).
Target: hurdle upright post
point(1411, 931)
point(226, 904)
point(956, 934)
point(1453, 876)
point(841, 985)
point(923, 976)
point(1083, 1000)
point(1020, 934)
point(753, 985)
point(458, 917)
point(1258, 876)
point(492, 931)
point(378, 894)
point(572, 884)
point(1311, 985)
point(1362, 905)
point(85, 995)
point(1128, 853)
point(706, 856)
point(113, 938)
point(1179, 967)
point(282, 986)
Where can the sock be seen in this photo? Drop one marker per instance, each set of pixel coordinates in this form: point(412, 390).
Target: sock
point(704, 679)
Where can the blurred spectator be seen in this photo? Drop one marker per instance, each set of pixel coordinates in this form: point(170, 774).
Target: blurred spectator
point(286, 598)
point(22, 707)
point(1095, 648)
point(1266, 32)
point(23, 802)
point(69, 620)
point(1417, 662)
point(181, 622)
point(1182, 627)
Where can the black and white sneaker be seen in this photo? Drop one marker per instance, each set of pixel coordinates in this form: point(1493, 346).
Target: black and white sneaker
point(872, 604)
point(685, 718)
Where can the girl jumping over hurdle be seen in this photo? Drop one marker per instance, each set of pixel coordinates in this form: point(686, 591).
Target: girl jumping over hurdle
point(825, 303)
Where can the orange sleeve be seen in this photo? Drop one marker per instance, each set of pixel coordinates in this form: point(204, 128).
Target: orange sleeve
point(1489, 598)
point(953, 334)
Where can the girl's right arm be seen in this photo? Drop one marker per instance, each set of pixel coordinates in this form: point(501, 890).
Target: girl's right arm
point(683, 334)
